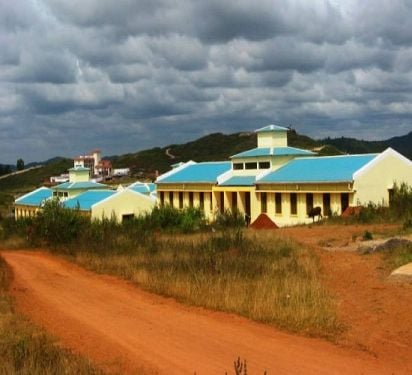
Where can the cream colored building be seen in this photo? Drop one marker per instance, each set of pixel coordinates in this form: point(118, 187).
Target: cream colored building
point(284, 182)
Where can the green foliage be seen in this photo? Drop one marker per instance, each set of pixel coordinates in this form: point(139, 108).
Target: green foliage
point(20, 164)
point(367, 236)
point(229, 219)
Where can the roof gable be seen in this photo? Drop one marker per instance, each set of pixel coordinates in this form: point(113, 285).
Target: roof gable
point(206, 172)
point(318, 169)
point(272, 128)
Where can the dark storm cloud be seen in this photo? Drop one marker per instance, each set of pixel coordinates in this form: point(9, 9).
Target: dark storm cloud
point(76, 75)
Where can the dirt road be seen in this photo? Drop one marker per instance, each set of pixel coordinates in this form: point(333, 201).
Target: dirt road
point(123, 328)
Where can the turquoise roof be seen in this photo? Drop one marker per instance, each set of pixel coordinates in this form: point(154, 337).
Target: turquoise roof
point(86, 200)
point(272, 128)
point(79, 186)
point(206, 172)
point(273, 151)
point(143, 188)
point(239, 181)
point(318, 169)
point(36, 197)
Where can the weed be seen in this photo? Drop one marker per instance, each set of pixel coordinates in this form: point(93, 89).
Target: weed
point(367, 236)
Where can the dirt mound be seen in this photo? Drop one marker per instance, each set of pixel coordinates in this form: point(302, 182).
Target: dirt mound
point(263, 222)
point(351, 211)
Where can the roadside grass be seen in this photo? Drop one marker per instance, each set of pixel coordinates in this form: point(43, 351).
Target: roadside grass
point(263, 278)
point(26, 349)
point(398, 257)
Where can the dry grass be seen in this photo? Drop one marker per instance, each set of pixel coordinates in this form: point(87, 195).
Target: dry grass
point(264, 278)
point(25, 349)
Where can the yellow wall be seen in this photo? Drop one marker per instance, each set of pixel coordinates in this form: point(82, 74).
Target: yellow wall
point(372, 184)
point(22, 211)
point(125, 202)
point(272, 139)
point(79, 175)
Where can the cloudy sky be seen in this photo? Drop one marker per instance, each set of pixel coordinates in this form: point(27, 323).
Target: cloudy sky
point(125, 75)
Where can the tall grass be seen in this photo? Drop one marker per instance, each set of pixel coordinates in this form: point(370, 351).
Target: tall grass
point(269, 280)
point(25, 349)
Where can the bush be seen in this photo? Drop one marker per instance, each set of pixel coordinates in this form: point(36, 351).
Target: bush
point(229, 219)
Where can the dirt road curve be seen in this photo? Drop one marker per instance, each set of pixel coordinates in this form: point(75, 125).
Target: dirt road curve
point(116, 324)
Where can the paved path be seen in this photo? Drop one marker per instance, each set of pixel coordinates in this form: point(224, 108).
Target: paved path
point(118, 325)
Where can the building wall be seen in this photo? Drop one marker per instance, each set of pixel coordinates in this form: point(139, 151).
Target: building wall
point(23, 211)
point(272, 139)
point(123, 203)
point(79, 176)
point(373, 183)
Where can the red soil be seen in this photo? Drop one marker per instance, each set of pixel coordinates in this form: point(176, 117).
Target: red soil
point(125, 329)
point(263, 222)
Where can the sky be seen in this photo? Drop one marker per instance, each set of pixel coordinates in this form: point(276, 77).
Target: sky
point(126, 75)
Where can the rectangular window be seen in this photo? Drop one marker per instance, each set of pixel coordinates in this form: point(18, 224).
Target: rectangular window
point(326, 204)
point(222, 202)
point(264, 165)
point(237, 166)
point(202, 200)
point(162, 198)
point(250, 165)
point(344, 202)
point(234, 201)
point(210, 202)
point(180, 199)
point(171, 198)
point(293, 204)
point(263, 202)
point(278, 203)
point(65, 194)
point(309, 202)
point(191, 199)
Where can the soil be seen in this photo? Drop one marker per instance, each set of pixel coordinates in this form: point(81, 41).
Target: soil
point(377, 313)
point(127, 330)
point(263, 222)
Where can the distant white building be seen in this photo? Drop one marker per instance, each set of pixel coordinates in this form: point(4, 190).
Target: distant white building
point(94, 162)
point(120, 172)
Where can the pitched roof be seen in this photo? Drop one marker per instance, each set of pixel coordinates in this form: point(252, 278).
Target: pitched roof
point(79, 185)
point(36, 197)
point(273, 151)
point(86, 200)
point(191, 172)
point(272, 128)
point(143, 188)
point(239, 181)
point(318, 169)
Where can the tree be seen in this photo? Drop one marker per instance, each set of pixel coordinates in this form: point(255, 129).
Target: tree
point(20, 164)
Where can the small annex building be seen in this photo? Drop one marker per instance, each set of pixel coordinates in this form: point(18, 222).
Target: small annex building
point(121, 205)
point(284, 182)
point(29, 204)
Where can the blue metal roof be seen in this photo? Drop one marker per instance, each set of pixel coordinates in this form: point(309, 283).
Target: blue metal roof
point(206, 172)
point(272, 128)
point(273, 151)
point(143, 188)
point(86, 200)
point(36, 197)
point(79, 186)
point(318, 169)
point(239, 181)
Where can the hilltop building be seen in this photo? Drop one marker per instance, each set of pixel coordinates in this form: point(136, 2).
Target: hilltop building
point(97, 166)
point(284, 182)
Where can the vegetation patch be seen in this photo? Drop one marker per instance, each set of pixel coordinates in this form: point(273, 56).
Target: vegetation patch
point(25, 349)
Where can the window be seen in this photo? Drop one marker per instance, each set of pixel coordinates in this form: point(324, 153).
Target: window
point(222, 202)
point(65, 194)
point(264, 165)
point(191, 199)
point(344, 202)
point(234, 201)
point(250, 165)
point(162, 198)
point(202, 200)
point(180, 199)
point(171, 198)
point(309, 202)
point(278, 203)
point(127, 217)
point(263, 202)
point(237, 166)
point(326, 204)
point(210, 202)
point(293, 204)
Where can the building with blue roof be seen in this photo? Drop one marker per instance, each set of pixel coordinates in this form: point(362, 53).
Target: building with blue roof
point(284, 182)
point(29, 204)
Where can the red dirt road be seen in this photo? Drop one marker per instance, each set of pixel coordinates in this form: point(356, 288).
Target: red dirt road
point(125, 329)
